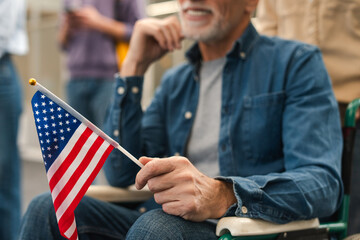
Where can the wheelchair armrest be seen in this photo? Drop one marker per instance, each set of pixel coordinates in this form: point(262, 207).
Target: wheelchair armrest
point(115, 194)
point(240, 226)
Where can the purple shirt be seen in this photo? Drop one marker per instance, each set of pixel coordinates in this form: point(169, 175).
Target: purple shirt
point(92, 53)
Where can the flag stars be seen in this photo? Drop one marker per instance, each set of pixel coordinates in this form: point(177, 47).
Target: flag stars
point(53, 125)
point(60, 116)
point(62, 138)
point(47, 133)
point(60, 123)
point(56, 146)
point(55, 139)
point(74, 121)
point(54, 132)
point(51, 110)
point(67, 122)
point(38, 120)
point(51, 103)
point(44, 111)
point(36, 105)
point(68, 129)
point(39, 127)
point(42, 96)
point(37, 112)
point(52, 117)
point(43, 104)
point(45, 119)
point(46, 126)
point(49, 155)
point(48, 148)
point(59, 108)
point(47, 140)
point(66, 115)
point(61, 130)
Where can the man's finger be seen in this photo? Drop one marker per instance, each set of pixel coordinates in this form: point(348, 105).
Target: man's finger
point(153, 168)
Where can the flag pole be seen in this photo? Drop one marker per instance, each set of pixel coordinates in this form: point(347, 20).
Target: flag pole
point(89, 124)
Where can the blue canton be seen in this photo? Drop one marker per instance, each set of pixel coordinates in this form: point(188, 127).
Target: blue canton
point(54, 125)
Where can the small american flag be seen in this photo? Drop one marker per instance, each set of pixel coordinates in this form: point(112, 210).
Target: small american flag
point(73, 155)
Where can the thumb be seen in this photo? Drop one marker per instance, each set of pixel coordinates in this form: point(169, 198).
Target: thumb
point(145, 160)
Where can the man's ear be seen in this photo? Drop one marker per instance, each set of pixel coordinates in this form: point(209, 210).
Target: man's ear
point(251, 5)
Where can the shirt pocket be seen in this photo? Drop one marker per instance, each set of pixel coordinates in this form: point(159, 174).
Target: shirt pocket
point(263, 127)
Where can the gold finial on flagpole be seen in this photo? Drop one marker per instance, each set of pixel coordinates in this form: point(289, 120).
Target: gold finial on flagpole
point(32, 81)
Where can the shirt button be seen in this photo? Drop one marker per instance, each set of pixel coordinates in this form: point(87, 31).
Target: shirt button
point(142, 210)
point(116, 133)
point(120, 90)
point(242, 55)
point(188, 115)
point(135, 90)
point(244, 210)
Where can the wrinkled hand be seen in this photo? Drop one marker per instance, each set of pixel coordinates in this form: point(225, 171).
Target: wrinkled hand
point(151, 39)
point(184, 191)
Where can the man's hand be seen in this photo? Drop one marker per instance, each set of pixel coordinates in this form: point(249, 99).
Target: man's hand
point(151, 39)
point(184, 191)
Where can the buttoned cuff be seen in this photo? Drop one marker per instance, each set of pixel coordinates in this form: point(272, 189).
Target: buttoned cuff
point(248, 194)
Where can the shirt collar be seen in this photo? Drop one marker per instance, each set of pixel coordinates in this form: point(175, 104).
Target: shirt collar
point(240, 49)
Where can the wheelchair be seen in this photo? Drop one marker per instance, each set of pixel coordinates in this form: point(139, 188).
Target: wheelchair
point(240, 228)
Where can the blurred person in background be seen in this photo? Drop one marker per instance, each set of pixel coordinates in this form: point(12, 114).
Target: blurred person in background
point(13, 41)
point(89, 32)
point(333, 26)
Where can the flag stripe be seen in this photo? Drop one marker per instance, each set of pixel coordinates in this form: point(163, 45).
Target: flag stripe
point(68, 233)
point(77, 171)
point(65, 152)
point(65, 178)
point(62, 221)
point(72, 194)
point(69, 159)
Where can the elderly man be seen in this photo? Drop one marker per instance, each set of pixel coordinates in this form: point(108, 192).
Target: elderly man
point(249, 126)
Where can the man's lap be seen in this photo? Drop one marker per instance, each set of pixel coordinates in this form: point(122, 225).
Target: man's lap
point(101, 220)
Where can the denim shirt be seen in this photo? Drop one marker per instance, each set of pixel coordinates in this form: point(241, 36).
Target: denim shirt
point(280, 138)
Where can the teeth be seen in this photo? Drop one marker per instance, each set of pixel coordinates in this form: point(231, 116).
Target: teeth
point(196, 12)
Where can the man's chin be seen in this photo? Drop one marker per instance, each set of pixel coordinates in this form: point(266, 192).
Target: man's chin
point(201, 37)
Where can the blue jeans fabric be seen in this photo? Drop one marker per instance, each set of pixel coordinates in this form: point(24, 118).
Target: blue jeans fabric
point(90, 97)
point(10, 110)
point(101, 220)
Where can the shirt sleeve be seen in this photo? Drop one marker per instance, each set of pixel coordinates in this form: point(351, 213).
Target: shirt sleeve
point(311, 185)
point(123, 124)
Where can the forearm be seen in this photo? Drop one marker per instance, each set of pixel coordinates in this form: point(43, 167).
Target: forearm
point(118, 30)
